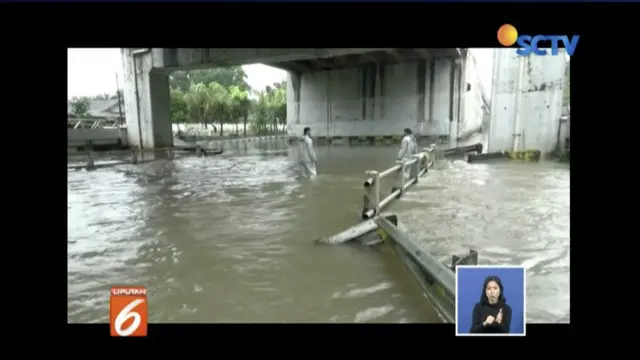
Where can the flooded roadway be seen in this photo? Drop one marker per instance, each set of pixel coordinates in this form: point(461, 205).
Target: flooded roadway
point(228, 238)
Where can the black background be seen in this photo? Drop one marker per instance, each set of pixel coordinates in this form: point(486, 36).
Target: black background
point(604, 92)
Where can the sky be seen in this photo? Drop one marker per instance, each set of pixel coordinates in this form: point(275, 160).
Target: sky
point(92, 72)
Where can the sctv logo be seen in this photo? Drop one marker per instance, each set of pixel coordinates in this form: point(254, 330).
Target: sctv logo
point(508, 35)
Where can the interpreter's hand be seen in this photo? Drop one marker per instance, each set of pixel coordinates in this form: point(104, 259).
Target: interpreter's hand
point(499, 317)
point(489, 320)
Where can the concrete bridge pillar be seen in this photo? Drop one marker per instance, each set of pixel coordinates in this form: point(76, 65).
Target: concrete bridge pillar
point(526, 101)
point(379, 94)
point(294, 80)
point(146, 98)
point(454, 100)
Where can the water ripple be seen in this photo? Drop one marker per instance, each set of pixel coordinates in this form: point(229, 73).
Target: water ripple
point(513, 214)
point(228, 239)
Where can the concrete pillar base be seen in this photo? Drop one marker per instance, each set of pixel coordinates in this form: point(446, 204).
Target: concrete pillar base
point(147, 100)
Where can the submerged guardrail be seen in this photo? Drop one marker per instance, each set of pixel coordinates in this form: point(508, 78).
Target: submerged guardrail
point(437, 280)
point(524, 155)
point(86, 159)
point(464, 150)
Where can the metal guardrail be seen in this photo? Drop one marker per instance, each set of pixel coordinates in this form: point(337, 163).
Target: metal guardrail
point(464, 150)
point(373, 205)
point(93, 123)
point(420, 164)
point(136, 155)
point(133, 156)
point(436, 279)
point(525, 155)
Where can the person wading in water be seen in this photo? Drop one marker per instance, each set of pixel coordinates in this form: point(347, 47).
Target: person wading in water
point(306, 154)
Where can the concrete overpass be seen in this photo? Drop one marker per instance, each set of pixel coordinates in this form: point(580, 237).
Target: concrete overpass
point(338, 92)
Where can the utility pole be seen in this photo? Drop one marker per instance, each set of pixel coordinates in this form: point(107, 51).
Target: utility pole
point(119, 100)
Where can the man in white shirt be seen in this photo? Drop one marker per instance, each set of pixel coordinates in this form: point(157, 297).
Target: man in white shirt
point(306, 154)
point(408, 147)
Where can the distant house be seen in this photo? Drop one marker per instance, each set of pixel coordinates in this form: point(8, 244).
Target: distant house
point(101, 109)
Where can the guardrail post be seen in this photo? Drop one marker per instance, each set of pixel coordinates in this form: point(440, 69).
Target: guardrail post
point(469, 259)
point(400, 179)
point(371, 200)
point(87, 148)
point(436, 154)
point(426, 160)
point(415, 167)
point(134, 156)
point(200, 151)
point(430, 157)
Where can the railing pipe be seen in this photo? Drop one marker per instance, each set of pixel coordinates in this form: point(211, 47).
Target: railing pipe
point(389, 198)
point(371, 201)
point(390, 171)
point(373, 204)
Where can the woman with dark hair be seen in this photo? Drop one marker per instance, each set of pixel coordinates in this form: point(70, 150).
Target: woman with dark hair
point(491, 314)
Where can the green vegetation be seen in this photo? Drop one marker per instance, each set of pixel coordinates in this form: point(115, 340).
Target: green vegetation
point(80, 106)
point(222, 96)
point(214, 96)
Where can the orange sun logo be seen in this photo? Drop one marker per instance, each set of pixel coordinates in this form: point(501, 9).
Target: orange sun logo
point(507, 35)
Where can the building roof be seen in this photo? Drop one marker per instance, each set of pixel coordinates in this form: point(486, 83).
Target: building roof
point(101, 108)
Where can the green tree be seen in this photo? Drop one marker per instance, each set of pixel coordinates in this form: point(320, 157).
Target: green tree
point(227, 77)
point(276, 100)
point(281, 85)
point(180, 80)
point(279, 104)
point(223, 96)
point(197, 100)
point(179, 107)
point(80, 106)
point(261, 110)
point(219, 104)
point(240, 107)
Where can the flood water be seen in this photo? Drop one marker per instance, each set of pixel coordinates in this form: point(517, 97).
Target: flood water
point(229, 238)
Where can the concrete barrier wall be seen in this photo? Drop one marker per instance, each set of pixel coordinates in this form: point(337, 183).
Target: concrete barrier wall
point(354, 128)
point(532, 88)
point(475, 109)
point(199, 130)
point(564, 133)
point(369, 101)
point(244, 142)
point(104, 136)
point(343, 98)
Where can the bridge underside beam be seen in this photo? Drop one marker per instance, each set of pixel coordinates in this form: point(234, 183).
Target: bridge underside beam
point(413, 88)
point(310, 59)
point(190, 59)
point(384, 56)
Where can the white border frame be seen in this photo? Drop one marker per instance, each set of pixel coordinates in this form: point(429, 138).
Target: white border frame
point(524, 297)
